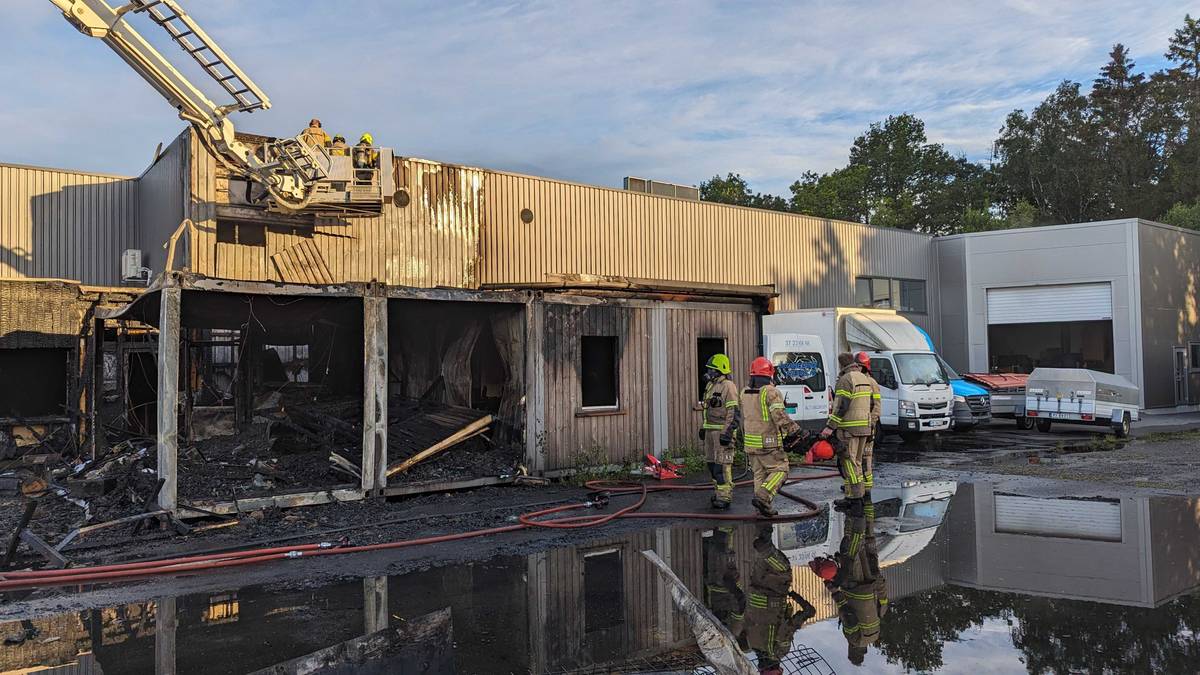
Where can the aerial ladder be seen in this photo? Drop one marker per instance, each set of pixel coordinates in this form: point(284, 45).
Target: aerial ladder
point(294, 174)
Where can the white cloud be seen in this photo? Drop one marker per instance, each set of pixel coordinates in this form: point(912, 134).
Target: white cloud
point(586, 91)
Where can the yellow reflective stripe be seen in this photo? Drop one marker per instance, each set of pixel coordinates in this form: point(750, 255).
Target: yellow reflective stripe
point(852, 423)
point(773, 481)
point(712, 425)
point(876, 396)
point(850, 631)
point(834, 418)
point(868, 626)
point(776, 564)
point(859, 596)
point(855, 542)
point(848, 394)
point(731, 404)
point(851, 476)
point(762, 400)
point(777, 406)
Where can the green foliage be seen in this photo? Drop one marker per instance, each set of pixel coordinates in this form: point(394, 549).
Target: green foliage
point(733, 189)
point(1184, 215)
point(594, 464)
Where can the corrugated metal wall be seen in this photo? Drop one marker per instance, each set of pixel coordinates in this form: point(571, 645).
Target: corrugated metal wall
point(434, 241)
point(593, 230)
point(573, 437)
point(162, 195)
point(65, 224)
point(684, 327)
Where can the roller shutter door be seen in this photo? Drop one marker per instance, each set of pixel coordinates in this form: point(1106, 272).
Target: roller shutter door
point(1066, 518)
point(1050, 304)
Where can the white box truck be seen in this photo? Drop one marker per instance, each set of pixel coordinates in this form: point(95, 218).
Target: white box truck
point(917, 397)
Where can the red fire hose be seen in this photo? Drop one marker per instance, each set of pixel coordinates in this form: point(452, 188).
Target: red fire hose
point(213, 561)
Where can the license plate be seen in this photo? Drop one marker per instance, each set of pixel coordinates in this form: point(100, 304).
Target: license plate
point(1059, 416)
point(938, 423)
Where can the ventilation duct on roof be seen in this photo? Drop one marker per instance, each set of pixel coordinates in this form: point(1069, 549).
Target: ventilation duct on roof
point(654, 187)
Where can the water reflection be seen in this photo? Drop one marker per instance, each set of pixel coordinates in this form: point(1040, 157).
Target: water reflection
point(973, 579)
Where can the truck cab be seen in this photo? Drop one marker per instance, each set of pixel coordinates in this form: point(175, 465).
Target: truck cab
point(916, 393)
point(801, 376)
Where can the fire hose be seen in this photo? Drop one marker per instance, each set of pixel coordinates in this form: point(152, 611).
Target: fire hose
point(26, 580)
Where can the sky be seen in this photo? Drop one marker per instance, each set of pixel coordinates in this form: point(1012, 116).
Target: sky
point(583, 91)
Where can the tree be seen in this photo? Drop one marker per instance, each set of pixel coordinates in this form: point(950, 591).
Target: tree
point(1179, 96)
point(1184, 215)
point(839, 194)
point(1052, 158)
point(1121, 104)
point(733, 189)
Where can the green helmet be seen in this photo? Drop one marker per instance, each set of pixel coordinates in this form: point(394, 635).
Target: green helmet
point(719, 363)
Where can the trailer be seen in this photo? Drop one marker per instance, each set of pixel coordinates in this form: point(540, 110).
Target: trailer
point(1081, 396)
point(1007, 395)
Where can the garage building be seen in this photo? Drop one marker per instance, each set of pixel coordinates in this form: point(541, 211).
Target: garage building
point(1116, 296)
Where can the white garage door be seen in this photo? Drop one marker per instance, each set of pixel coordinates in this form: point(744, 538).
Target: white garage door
point(1067, 518)
point(1044, 304)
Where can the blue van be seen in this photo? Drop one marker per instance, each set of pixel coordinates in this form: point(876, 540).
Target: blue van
point(972, 403)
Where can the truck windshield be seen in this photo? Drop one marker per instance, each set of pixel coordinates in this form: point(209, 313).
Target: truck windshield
point(920, 369)
point(950, 372)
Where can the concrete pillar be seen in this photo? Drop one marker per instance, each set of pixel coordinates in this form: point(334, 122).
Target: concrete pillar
point(164, 636)
point(375, 398)
point(168, 395)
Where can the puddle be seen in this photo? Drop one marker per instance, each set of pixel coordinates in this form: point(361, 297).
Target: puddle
point(975, 580)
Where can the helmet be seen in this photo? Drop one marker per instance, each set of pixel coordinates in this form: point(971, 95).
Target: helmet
point(367, 138)
point(339, 137)
point(762, 366)
point(314, 122)
point(719, 363)
point(863, 360)
point(822, 450)
point(824, 568)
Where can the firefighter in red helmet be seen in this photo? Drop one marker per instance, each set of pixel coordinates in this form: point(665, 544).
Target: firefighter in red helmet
point(868, 457)
point(767, 433)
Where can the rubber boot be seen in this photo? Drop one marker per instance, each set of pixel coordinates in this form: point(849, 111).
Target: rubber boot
point(841, 504)
point(763, 508)
point(720, 504)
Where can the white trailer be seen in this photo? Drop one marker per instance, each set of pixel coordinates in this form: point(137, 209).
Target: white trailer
point(1081, 396)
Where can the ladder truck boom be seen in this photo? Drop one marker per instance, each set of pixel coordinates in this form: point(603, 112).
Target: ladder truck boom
point(288, 168)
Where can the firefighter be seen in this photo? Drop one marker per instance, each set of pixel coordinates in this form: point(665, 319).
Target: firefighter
point(858, 588)
point(767, 434)
point(720, 406)
point(850, 423)
point(770, 621)
point(864, 361)
point(314, 135)
point(339, 147)
point(365, 157)
point(722, 581)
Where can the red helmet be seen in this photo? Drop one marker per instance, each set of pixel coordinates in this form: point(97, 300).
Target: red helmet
point(863, 360)
point(762, 366)
point(822, 450)
point(824, 568)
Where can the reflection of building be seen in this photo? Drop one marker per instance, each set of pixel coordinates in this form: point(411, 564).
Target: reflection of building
point(1130, 551)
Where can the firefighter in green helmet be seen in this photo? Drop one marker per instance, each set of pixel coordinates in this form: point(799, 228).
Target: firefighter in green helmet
point(718, 407)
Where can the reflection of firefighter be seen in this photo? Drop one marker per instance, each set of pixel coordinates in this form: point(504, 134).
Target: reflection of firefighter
point(722, 584)
point(719, 406)
point(770, 621)
point(858, 587)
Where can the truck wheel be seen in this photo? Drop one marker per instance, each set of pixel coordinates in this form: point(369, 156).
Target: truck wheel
point(1024, 423)
point(1122, 429)
point(1043, 425)
point(911, 437)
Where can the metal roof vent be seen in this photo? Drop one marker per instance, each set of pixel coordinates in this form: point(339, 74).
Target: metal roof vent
point(654, 187)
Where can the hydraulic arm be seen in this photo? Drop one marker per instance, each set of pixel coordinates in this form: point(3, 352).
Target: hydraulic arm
point(287, 168)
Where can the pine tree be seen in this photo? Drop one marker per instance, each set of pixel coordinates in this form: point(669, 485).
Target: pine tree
point(1121, 105)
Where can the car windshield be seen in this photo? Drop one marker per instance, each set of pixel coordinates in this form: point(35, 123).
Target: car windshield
point(920, 369)
point(950, 372)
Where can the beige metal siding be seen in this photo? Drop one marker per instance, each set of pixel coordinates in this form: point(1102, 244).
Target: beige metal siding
point(571, 437)
point(162, 191)
point(1169, 261)
point(65, 224)
point(684, 327)
point(592, 230)
point(434, 241)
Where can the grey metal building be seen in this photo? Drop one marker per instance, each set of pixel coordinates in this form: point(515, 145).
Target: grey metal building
point(1119, 296)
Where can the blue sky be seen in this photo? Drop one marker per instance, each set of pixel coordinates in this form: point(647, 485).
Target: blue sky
point(585, 91)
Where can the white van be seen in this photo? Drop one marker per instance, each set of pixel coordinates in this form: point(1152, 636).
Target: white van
point(916, 394)
point(801, 376)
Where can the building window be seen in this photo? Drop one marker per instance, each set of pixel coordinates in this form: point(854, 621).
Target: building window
point(904, 295)
point(247, 234)
point(603, 590)
point(705, 348)
point(1194, 357)
point(598, 372)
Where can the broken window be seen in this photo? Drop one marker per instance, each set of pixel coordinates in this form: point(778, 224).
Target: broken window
point(603, 590)
point(248, 234)
point(37, 380)
point(705, 348)
point(598, 375)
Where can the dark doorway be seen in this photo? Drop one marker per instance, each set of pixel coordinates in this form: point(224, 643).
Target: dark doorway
point(1021, 347)
point(35, 382)
point(705, 348)
point(603, 590)
point(143, 393)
